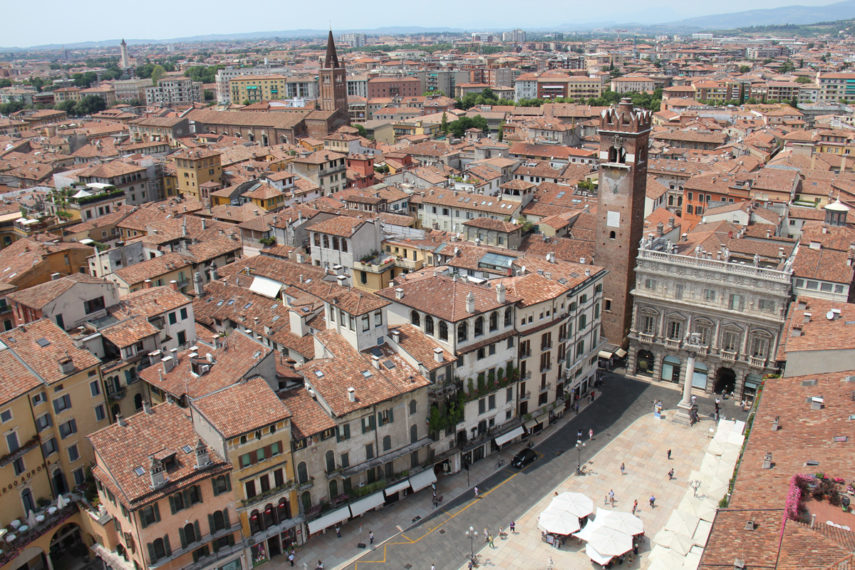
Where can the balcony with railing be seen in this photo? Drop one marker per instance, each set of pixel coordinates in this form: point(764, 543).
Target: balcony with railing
point(757, 361)
point(266, 496)
point(672, 343)
point(729, 355)
point(196, 544)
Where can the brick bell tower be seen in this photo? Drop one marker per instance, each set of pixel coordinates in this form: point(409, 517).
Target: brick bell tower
point(620, 210)
point(333, 82)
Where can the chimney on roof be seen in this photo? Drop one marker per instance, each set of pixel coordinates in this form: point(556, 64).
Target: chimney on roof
point(202, 457)
point(375, 361)
point(399, 293)
point(147, 284)
point(470, 302)
point(351, 394)
point(437, 354)
point(501, 293)
point(157, 473)
point(396, 335)
point(120, 420)
point(174, 285)
point(204, 224)
point(66, 365)
point(781, 252)
point(660, 229)
point(168, 364)
point(146, 405)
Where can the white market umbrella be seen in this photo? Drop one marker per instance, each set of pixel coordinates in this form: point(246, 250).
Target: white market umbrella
point(661, 557)
point(682, 523)
point(679, 543)
point(609, 541)
point(624, 522)
point(588, 530)
point(557, 522)
point(597, 557)
point(577, 503)
point(703, 509)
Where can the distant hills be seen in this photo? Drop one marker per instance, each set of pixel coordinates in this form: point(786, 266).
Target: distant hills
point(794, 15)
point(788, 16)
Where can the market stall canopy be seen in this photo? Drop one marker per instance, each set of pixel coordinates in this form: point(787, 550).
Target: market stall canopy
point(329, 519)
point(608, 541)
point(577, 503)
point(421, 480)
point(624, 522)
point(506, 437)
point(597, 557)
point(557, 522)
point(366, 504)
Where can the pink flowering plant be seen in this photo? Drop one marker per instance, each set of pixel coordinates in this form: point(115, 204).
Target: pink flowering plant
point(798, 485)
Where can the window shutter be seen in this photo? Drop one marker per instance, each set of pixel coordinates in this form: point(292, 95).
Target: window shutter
point(156, 513)
point(172, 504)
point(182, 536)
point(196, 529)
point(226, 518)
point(228, 482)
point(391, 416)
point(166, 545)
point(151, 553)
point(211, 523)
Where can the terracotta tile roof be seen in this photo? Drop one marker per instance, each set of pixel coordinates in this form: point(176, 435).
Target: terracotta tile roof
point(167, 430)
point(823, 264)
point(42, 345)
point(344, 226)
point(242, 408)
point(17, 379)
point(129, 332)
point(331, 377)
point(491, 224)
point(110, 169)
point(24, 254)
point(536, 287)
point(235, 359)
point(840, 238)
point(152, 302)
point(445, 297)
point(308, 417)
point(152, 268)
point(40, 295)
point(414, 342)
point(564, 248)
point(816, 332)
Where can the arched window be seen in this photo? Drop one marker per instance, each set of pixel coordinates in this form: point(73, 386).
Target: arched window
point(330, 458)
point(306, 500)
point(218, 521)
point(462, 331)
point(333, 490)
point(509, 317)
point(158, 550)
point(443, 330)
point(415, 318)
point(494, 321)
point(414, 433)
point(302, 473)
point(479, 327)
point(255, 520)
point(412, 406)
point(428, 324)
point(268, 516)
point(138, 401)
point(284, 509)
point(387, 443)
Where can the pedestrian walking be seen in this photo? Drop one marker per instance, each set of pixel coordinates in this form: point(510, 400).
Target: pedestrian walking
point(490, 540)
point(612, 497)
point(338, 530)
point(671, 474)
point(476, 492)
point(634, 506)
point(592, 395)
point(486, 537)
point(652, 502)
point(669, 455)
point(590, 433)
point(291, 557)
point(576, 406)
point(579, 435)
point(513, 527)
point(433, 567)
point(371, 537)
point(622, 468)
point(606, 499)
point(693, 399)
point(320, 565)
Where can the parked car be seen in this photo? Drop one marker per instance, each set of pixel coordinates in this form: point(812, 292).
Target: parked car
point(523, 458)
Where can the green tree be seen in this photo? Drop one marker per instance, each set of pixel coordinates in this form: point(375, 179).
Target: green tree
point(84, 79)
point(11, 107)
point(37, 82)
point(156, 73)
point(443, 124)
point(89, 105)
point(144, 71)
point(361, 130)
point(5, 82)
point(68, 106)
point(203, 73)
point(459, 127)
point(803, 79)
point(744, 68)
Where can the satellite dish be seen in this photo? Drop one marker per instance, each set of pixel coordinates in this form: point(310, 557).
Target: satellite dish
point(829, 315)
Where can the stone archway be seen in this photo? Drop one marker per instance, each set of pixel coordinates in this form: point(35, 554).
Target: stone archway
point(644, 363)
point(67, 546)
point(725, 380)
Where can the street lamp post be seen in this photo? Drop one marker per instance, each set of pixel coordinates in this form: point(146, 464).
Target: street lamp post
point(471, 533)
point(579, 445)
point(684, 408)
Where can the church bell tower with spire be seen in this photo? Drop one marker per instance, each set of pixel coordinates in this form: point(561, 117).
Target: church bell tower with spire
point(333, 82)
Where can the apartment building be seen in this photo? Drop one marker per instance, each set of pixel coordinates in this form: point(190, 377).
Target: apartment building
point(254, 88)
point(196, 167)
point(67, 301)
point(834, 87)
point(449, 210)
point(343, 240)
point(173, 90)
point(167, 494)
point(324, 168)
point(256, 442)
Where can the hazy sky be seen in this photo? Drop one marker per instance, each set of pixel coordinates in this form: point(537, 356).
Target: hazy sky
point(60, 21)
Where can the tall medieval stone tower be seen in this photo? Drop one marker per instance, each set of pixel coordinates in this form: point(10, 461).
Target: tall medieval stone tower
point(620, 210)
point(333, 82)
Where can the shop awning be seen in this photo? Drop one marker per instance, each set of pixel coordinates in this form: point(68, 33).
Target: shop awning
point(400, 486)
point(329, 519)
point(752, 383)
point(531, 423)
point(366, 504)
point(505, 438)
point(620, 353)
point(266, 287)
point(421, 480)
point(604, 354)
